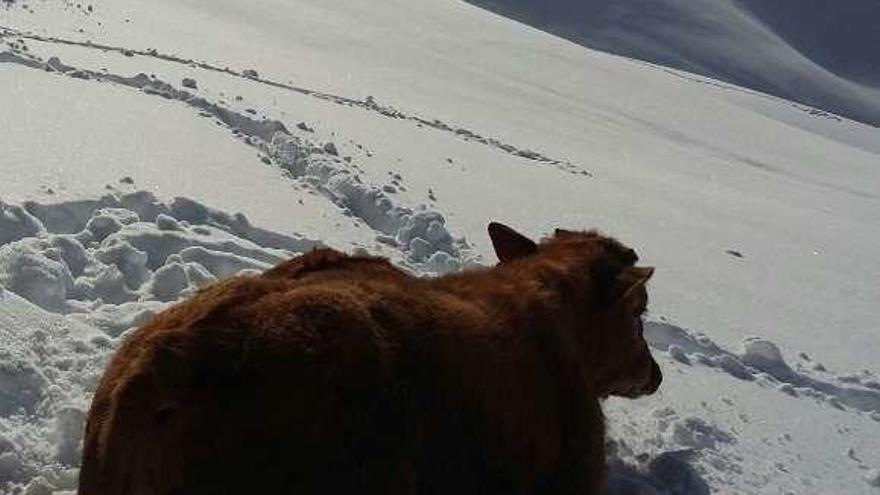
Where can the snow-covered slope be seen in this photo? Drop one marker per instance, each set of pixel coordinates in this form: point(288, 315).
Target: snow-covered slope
point(403, 128)
point(815, 52)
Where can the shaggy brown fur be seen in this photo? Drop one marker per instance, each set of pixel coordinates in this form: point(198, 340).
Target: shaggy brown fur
point(339, 374)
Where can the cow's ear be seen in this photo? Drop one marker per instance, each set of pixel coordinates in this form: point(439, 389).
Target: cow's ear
point(510, 244)
point(631, 280)
point(564, 233)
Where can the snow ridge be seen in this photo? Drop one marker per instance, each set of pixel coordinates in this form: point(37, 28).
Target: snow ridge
point(791, 49)
point(761, 361)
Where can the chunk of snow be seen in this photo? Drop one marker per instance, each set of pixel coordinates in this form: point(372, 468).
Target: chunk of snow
point(764, 355)
point(734, 366)
point(678, 353)
point(220, 264)
point(166, 222)
point(70, 424)
point(26, 270)
point(168, 283)
point(16, 223)
point(130, 261)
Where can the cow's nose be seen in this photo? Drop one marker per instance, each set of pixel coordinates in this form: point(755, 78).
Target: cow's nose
point(655, 380)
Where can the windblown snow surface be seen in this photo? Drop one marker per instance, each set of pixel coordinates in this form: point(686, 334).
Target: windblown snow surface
point(149, 148)
point(813, 51)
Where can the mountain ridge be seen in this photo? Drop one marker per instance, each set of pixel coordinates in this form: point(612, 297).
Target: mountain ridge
point(820, 56)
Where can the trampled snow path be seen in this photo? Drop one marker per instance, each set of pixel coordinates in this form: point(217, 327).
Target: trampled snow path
point(368, 103)
point(76, 276)
point(419, 233)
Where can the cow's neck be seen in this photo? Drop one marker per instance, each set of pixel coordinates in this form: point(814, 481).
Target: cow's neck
point(536, 290)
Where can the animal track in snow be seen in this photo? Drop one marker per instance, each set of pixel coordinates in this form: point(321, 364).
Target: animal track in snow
point(421, 234)
point(369, 103)
point(762, 362)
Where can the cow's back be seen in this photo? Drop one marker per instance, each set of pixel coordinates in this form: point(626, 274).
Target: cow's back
point(333, 380)
point(259, 385)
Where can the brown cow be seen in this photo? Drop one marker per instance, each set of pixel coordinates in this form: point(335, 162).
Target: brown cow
point(340, 374)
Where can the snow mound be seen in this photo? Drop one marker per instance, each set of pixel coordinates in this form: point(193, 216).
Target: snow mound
point(129, 248)
point(764, 355)
point(16, 223)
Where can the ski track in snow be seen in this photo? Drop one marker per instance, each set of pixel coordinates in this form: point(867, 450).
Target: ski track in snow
point(97, 268)
point(368, 103)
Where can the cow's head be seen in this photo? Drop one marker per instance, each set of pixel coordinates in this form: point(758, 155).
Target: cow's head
point(601, 273)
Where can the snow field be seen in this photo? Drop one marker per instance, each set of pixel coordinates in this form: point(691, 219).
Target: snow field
point(759, 213)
